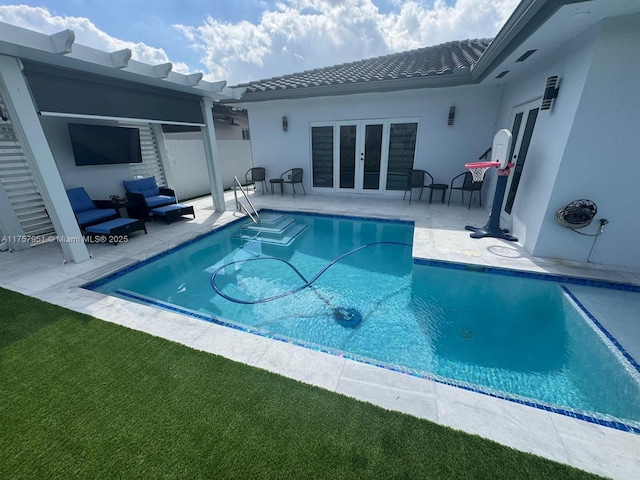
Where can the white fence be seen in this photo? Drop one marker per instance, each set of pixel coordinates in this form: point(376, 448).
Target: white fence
point(190, 175)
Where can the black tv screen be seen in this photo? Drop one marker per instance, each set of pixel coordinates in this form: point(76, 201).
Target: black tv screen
point(104, 145)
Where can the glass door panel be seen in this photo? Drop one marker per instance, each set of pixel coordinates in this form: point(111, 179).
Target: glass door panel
point(372, 157)
point(522, 126)
point(322, 156)
point(402, 147)
point(522, 156)
point(347, 160)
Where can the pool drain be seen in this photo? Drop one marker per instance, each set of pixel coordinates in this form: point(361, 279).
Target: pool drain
point(465, 334)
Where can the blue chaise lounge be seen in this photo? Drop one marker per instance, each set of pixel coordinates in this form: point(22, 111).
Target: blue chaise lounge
point(90, 212)
point(144, 194)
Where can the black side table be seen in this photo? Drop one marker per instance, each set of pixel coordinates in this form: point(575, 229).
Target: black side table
point(134, 209)
point(438, 186)
point(277, 181)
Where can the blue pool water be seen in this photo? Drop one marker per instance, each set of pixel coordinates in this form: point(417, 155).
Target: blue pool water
point(518, 338)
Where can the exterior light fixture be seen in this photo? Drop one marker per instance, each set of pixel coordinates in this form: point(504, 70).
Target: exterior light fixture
point(550, 92)
point(285, 124)
point(452, 115)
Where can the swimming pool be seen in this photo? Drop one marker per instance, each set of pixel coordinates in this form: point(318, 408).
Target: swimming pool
point(497, 332)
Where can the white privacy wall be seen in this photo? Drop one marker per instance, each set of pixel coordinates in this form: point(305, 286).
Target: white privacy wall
point(601, 160)
point(441, 149)
point(189, 166)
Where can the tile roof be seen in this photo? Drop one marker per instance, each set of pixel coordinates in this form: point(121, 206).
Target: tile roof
point(435, 61)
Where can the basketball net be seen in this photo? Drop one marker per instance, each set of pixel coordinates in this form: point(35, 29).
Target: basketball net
point(478, 173)
point(478, 169)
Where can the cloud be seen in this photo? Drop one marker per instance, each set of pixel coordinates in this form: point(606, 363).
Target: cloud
point(298, 35)
point(41, 20)
point(294, 35)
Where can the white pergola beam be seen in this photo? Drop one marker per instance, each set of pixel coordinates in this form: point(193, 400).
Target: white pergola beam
point(120, 59)
point(162, 70)
point(217, 87)
point(29, 45)
point(193, 79)
point(62, 42)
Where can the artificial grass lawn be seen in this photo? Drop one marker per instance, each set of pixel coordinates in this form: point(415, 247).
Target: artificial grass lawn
point(82, 398)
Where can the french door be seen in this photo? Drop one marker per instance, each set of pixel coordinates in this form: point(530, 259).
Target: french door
point(522, 125)
point(361, 151)
point(361, 156)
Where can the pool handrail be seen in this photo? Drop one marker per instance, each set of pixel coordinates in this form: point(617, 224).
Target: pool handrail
point(240, 206)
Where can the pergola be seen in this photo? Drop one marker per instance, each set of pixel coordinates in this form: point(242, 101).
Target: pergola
point(51, 75)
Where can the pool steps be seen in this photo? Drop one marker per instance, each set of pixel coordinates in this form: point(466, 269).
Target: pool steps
point(273, 229)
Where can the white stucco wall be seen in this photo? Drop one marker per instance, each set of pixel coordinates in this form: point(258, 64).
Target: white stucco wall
point(571, 65)
point(441, 149)
point(601, 160)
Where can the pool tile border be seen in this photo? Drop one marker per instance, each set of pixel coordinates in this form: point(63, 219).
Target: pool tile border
point(627, 287)
point(600, 327)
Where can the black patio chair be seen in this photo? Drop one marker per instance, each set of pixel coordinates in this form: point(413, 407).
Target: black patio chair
point(293, 176)
point(417, 179)
point(468, 185)
point(254, 176)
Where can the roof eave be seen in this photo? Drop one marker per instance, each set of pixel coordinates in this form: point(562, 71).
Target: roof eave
point(528, 17)
point(442, 80)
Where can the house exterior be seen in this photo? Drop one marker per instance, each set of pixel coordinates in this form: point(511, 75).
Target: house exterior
point(48, 82)
point(355, 128)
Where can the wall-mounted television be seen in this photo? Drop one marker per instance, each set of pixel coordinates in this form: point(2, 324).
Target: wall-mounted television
point(104, 144)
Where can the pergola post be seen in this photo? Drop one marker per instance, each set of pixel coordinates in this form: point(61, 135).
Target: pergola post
point(212, 156)
point(29, 132)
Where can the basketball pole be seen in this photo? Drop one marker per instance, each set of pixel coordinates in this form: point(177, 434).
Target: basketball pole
point(500, 152)
point(492, 228)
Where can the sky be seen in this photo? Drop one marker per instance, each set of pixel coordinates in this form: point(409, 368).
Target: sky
point(244, 40)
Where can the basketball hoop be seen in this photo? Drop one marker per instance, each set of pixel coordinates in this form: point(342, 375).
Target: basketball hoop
point(478, 169)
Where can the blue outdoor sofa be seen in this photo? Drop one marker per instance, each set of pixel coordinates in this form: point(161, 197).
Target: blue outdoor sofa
point(144, 195)
point(90, 212)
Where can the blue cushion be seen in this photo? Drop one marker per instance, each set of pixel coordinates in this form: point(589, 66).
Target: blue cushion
point(80, 200)
point(90, 216)
point(106, 227)
point(159, 200)
point(146, 186)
